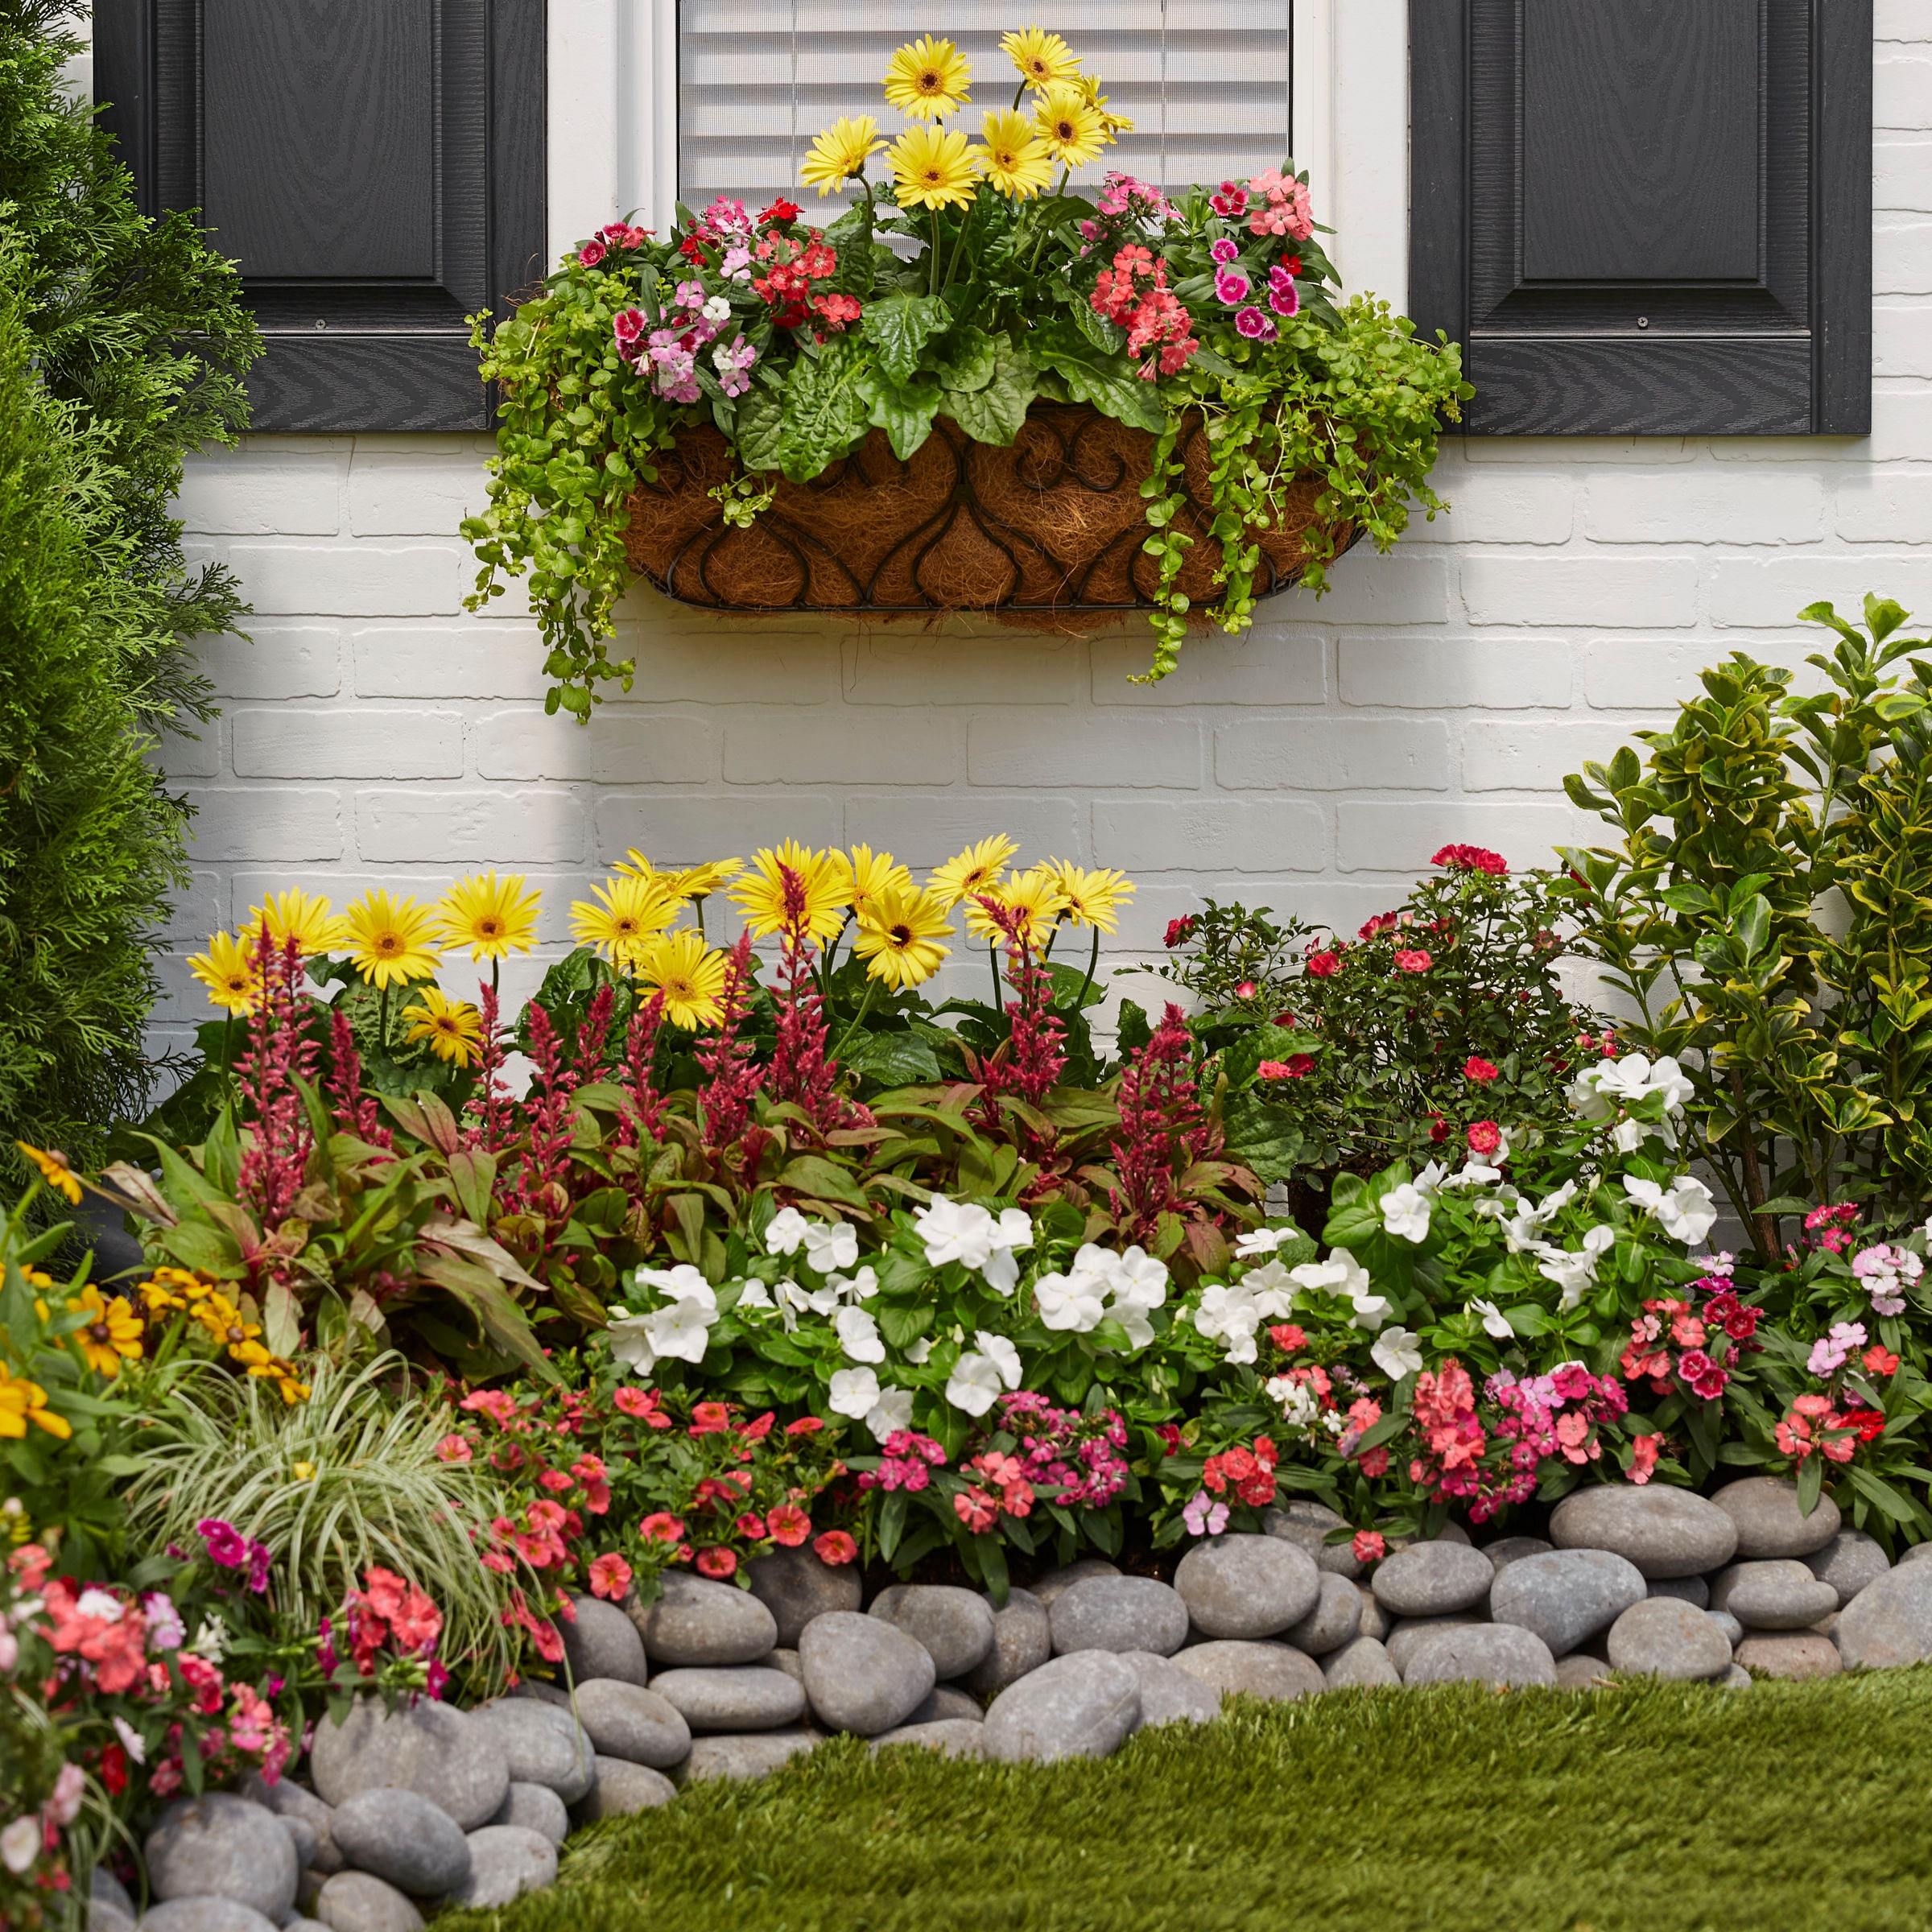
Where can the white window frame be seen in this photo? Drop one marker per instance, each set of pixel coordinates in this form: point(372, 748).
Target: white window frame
point(613, 134)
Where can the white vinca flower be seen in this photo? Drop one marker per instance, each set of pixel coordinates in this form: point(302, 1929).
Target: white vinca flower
point(954, 1231)
point(853, 1392)
point(1255, 1242)
point(1229, 1315)
point(1271, 1288)
point(1406, 1212)
point(859, 1335)
point(1495, 1322)
point(20, 1842)
point(1070, 1303)
point(1396, 1354)
point(1012, 1231)
point(830, 1246)
point(1003, 1356)
point(1685, 1212)
point(788, 1229)
point(680, 1332)
point(795, 1301)
point(916, 1351)
point(1574, 1269)
point(677, 1281)
point(752, 1294)
point(629, 1343)
point(1138, 1286)
point(1299, 1407)
point(1343, 1274)
point(974, 1384)
point(891, 1413)
point(860, 1287)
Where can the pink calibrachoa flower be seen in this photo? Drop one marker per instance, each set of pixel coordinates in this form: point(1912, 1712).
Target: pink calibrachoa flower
point(453, 1449)
point(835, 1546)
point(609, 1576)
point(717, 1563)
point(661, 1526)
point(1368, 1546)
point(1643, 1457)
point(789, 1524)
point(641, 1405)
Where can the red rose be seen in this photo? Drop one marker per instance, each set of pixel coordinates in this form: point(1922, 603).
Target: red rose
point(1324, 965)
point(1470, 858)
point(1412, 959)
point(1179, 931)
point(1485, 1136)
point(1475, 1069)
point(1296, 1066)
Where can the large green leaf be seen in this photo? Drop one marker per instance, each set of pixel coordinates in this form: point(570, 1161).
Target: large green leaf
point(850, 237)
point(903, 410)
point(760, 428)
point(489, 1301)
point(826, 411)
point(1262, 1136)
point(900, 327)
point(1110, 382)
point(993, 413)
point(893, 1059)
point(967, 358)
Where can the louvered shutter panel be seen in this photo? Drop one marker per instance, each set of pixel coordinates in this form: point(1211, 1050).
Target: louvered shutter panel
point(1647, 216)
point(376, 167)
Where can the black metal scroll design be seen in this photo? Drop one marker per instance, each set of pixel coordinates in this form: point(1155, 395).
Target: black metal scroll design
point(1061, 450)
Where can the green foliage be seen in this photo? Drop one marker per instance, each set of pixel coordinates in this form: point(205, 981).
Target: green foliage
point(1765, 911)
point(982, 311)
point(347, 1478)
point(122, 343)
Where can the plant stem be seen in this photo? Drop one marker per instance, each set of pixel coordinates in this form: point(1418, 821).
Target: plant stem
point(872, 986)
point(382, 1021)
point(933, 281)
point(1093, 960)
point(1764, 1227)
point(993, 959)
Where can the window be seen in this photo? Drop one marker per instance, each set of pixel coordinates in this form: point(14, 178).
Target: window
point(1206, 82)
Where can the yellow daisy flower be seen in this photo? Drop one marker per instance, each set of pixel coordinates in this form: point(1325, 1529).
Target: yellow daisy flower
point(1035, 896)
point(927, 79)
point(223, 1321)
point(172, 1288)
point(1041, 58)
point(1090, 91)
point(112, 1332)
point(1071, 126)
point(491, 916)
point(306, 918)
point(1015, 159)
point(1093, 899)
point(973, 870)
point(51, 1164)
point(693, 882)
point(899, 934)
point(21, 1402)
point(838, 152)
point(874, 873)
point(933, 169)
point(453, 1028)
point(227, 969)
point(632, 910)
point(825, 877)
point(691, 978)
point(391, 941)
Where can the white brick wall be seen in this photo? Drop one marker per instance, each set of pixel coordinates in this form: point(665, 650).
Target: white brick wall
point(375, 733)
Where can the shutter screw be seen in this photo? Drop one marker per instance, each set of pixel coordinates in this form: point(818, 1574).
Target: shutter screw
point(325, 325)
point(1642, 322)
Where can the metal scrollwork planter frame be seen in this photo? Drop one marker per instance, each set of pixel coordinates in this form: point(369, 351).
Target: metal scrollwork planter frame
point(1049, 532)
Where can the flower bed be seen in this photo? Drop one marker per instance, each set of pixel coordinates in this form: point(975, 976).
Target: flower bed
point(781, 1292)
point(757, 413)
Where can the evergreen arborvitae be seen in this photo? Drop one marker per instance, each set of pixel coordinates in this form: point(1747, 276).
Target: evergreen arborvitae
point(125, 341)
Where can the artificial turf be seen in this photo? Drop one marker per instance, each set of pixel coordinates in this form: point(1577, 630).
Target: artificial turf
point(1642, 1807)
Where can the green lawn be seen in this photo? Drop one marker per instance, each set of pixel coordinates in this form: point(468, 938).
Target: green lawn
point(1639, 1808)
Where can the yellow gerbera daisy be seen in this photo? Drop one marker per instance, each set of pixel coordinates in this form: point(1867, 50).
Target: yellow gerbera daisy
point(840, 152)
point(306, 918)
point(874, 873)
point(227, 969)
point(933, 169)
point(453, 1028)
point(826, 880)
point(1090, 92)
point(491, 916)
point(1093, 899)
point(21, 1402)
point(927, 79)
point(691, 978)
point(632, 910)
point(1035, 896)
point(111, 1333)
point(693, 882)
point(899, 934)
point(1072, 127)
point(391, 941)
point(1041, 58)
point(1015, 159)
point(973, 870)
point(52, 1164)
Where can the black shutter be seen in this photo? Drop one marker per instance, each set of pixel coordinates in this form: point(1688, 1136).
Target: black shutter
point(376, 167)
point(1646, 217)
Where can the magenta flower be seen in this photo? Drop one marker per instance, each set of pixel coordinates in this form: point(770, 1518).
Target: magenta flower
point(1284, 298)
point(226, 1544)
point(259, 1560)
point(1252, 323)
point(627, 326)
point(1203, 1516)
point(1230, 287)
point(1224, 251)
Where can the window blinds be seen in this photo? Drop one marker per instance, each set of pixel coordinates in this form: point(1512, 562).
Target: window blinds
point(1206, 82)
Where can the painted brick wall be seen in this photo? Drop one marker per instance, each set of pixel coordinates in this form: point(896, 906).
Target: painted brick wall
point(374, 734)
